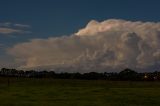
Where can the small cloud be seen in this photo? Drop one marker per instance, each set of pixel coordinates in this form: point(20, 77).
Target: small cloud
point(11, 31)
point(12, 28)
point(9, 25)
point(22, 26)
point(6, 24)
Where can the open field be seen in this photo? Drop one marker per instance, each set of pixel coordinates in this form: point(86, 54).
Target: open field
point(50, 92)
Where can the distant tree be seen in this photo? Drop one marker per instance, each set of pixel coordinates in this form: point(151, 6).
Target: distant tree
point(93, 75)
point(128, 74)
point(111, 76)
point(5, 71)
point(76, 76)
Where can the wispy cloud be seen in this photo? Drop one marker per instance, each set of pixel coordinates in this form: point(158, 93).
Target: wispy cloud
point(12, 28)
point(11, 31)
point(6, 24)
point(9, 24)
point(22, 26)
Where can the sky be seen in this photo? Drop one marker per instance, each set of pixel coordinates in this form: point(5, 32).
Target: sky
point(45, 33)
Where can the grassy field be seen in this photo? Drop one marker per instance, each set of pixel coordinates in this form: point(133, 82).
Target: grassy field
point(50, 92)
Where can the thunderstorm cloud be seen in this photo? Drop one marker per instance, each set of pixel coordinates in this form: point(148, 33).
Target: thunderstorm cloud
point(113, 44)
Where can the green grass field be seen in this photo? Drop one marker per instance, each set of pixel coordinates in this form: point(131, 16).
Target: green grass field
point(50, 92)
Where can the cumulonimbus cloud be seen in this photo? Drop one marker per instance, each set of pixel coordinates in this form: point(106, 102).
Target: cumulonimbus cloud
point(112, 44)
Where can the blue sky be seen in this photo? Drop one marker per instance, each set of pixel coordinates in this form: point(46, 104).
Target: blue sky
point(52, 18)
point(59, 17)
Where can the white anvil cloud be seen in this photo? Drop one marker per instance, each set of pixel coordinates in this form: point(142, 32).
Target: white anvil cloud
point(112, 44)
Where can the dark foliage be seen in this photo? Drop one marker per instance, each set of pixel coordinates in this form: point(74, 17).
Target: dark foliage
point(124, 75)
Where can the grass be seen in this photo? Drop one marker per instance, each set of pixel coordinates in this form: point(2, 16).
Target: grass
point(50, 92)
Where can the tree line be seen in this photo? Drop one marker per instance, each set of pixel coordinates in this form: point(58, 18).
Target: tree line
point(124, 75)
